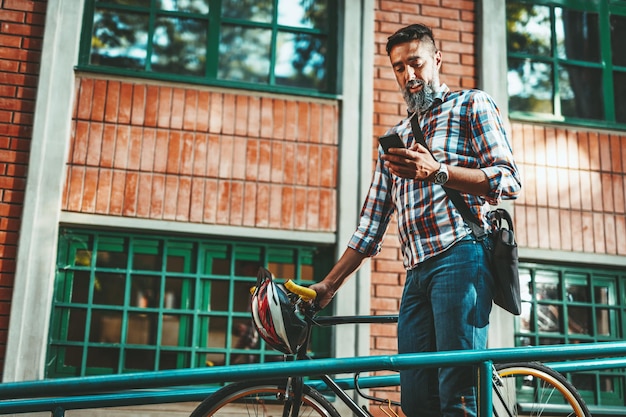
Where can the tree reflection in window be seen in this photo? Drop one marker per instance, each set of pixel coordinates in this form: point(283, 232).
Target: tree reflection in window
point(269, 42)
point(561, 60)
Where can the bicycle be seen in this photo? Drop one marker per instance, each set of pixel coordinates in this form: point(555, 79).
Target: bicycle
point(527, 388)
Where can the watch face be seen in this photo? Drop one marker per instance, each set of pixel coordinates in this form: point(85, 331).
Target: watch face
point(441, 177)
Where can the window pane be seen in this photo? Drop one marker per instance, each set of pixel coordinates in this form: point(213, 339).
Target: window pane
point(179, 46)
point(142, 3)
point(549, 318)
point(547, 288)
point(603, 294)
point(120, 39)
point(577, 35)
point(577, 292)
point(310, 14)
point(109, 289)
point(104, 359)
point(619, 81)
point(300, 61)
point(245, 337)
point(219, 291)
point(139, 360)
point(618, 34)
point(528, 29)
point(530, 86)
point(604, 319)
point(581, 92)
point(79, 292)
point(254, 10)
point(145, 291)
point(106, 327)
point(579, 320)
point(191, 6)
point(244, 54)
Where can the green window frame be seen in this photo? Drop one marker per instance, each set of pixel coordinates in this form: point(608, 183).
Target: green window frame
point(135, 303)
point(572, 305)
point(567, 61)
point(283, 46)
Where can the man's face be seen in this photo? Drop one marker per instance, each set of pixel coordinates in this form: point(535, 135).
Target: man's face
point(416, 67)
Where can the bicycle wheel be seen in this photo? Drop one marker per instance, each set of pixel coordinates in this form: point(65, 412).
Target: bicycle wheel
point(261, 398)
point(533, 389)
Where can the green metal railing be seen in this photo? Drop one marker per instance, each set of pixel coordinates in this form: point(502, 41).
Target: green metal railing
point(186, 384)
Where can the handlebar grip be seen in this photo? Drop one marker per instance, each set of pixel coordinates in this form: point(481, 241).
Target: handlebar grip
point(307, 294)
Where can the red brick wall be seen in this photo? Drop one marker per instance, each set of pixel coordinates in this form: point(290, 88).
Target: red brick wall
point(574, 188)
point(194, 155)
point(21, 33)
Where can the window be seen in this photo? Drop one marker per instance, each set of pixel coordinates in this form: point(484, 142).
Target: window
point(141, 303)
point(567, 61)
point(282, 45)
point(574, 305)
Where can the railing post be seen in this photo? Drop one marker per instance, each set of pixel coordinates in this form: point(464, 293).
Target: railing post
point(485, 389)
point(58, 412)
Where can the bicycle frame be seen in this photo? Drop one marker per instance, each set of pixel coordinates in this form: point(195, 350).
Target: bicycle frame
point(292, 407)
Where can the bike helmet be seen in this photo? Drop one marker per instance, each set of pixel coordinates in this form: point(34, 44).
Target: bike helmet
point(275, 316)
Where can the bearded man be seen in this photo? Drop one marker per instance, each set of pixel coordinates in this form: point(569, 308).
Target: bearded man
point(447, 294)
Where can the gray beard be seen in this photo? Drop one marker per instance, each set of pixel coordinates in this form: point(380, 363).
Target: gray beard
point(420, 101)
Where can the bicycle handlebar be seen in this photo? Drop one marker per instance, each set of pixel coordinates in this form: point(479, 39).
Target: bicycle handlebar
point(307, 294)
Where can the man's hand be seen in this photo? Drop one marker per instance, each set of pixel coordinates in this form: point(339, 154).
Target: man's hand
point(413, 163)
point(325, 293)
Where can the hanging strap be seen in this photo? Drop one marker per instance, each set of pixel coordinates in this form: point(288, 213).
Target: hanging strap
point(455, 196)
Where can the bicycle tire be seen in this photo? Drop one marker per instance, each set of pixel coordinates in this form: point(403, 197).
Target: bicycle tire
point(533, 389)
point(261, 398)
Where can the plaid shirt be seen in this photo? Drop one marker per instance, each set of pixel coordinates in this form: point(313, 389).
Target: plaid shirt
point(465, 129)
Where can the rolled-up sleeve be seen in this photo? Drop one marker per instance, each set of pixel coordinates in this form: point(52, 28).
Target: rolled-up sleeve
point(494, 149)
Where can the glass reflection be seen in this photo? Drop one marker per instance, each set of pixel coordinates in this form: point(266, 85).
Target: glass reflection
point(244, 337)
point(581, 92)
point(577, 292)
point(577, 35)
point(619, 82)
point(253, 10)
point(603, 321)
point(142, 3)
point(244, 54)
point(579, 320)
point(618, 34)
point(179, 46)
point(548, 291)
point(311, 14)
point(528, 29)
point(525, 318)
point(549, 318)
point(219, 291)
point(190, 6)
point(602, 295)
point(109, 289)
point(300, 60)
point(119, 39)
point(530, 86)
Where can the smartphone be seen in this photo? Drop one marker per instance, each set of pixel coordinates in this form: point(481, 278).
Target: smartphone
point(391, 141)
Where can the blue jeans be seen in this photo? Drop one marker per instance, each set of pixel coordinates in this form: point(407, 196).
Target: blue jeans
point(445, 306)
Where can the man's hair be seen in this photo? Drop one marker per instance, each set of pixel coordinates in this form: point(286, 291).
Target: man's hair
point(409, 33)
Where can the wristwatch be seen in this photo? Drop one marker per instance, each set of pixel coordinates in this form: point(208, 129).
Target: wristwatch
point(441, 176)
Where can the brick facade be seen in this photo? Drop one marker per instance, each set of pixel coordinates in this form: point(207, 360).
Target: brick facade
point(21, 37)
point(201, 156)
